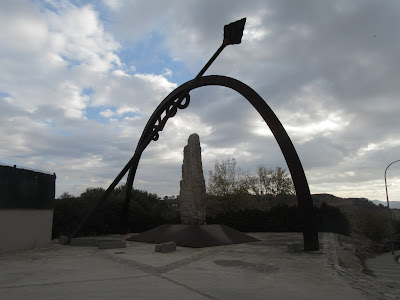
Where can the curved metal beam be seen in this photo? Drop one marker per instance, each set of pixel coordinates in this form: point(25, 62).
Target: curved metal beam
point(168, 108)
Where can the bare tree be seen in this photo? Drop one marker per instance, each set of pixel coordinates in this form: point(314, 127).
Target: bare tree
point(273, 181)
point(227, 179)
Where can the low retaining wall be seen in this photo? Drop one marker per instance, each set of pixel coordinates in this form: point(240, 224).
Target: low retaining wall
point(26, 208)
point(25, 229)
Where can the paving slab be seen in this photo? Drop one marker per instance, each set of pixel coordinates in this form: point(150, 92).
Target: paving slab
point(258, 270)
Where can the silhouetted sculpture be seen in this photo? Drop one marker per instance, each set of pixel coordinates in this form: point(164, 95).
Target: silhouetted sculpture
point(180, 99)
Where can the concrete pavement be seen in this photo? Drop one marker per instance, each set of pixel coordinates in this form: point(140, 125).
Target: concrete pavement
point(386, 267)
point(259, 270)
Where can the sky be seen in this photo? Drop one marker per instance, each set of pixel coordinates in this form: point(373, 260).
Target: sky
point(80, 79)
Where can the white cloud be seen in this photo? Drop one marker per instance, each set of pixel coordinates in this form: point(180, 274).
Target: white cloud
point(66, 50)
point(254, 29)
point(161, 84)
point(123, 110)
point(120, 73)
point(71, 100)
point(328, 70)
point(107, 113)
point(80, 38)
point(167, 72)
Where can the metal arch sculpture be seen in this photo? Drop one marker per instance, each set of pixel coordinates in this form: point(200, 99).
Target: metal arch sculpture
point(169, 107)
point(180, 99)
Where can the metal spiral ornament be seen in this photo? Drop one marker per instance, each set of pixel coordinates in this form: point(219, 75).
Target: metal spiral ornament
point(170, 111)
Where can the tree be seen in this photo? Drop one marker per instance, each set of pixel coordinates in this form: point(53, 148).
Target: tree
point(226, 179)
point(231, 190)
point(66, 195)
point(270, 181)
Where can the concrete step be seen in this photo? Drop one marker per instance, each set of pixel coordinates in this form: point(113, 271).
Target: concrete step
point(165, 247)
point(84, 242)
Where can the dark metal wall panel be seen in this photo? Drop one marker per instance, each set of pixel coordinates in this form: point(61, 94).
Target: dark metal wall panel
point(26, 189)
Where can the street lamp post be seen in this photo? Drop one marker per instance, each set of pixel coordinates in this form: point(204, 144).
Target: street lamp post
point(390, 213)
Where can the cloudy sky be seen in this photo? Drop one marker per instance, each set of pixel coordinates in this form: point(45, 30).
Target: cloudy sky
point(80, 79)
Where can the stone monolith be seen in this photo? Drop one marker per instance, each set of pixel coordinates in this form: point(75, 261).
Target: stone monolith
point(192, 196)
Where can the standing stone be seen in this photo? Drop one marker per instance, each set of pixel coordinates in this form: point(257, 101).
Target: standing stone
point(192, 196)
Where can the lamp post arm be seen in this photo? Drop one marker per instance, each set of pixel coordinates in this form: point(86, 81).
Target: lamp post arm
point(389, 211)
point(387, 197)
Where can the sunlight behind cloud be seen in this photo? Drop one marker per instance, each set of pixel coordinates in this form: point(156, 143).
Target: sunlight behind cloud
point(261, 129)
point(254, 29)
point(307, 132)
point(72, 100)
point(373, 147)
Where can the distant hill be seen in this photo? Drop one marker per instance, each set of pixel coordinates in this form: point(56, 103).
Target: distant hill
point(350, 205)
point(392, 204)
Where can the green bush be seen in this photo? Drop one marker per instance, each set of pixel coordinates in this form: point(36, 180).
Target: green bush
point(372, 222)
point(146, 211)
point(67, 213)
point(283, 218)
point(332, 219)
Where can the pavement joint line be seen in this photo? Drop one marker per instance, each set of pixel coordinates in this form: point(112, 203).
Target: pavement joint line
point(385, 274)
point(74, 281)
point(166, 268)
point(395, 276)
point(189, 260)
point(387, 270)
point(188, 287)
point(159, 271)
point(391, 265)
point(384, 263)
point(140, 266)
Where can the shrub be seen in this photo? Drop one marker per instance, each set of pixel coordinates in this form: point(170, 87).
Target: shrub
point(145, 212)
point(332, 219)
point(282, 218)
point(372, 222)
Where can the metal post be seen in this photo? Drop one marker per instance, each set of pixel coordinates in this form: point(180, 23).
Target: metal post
point(389, 211)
